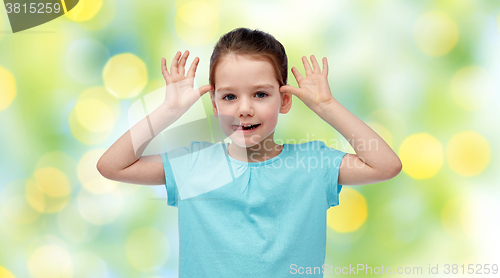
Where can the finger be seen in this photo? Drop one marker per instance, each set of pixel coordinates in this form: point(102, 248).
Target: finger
point(297, 74)
point(182, 63)
point(307, 66)
point(206, 88)
point(325, 66)
point(315, 65)
point(164, 66)
point(194, 66)
point(164, 71)
point(175, 62)
point(293, 90)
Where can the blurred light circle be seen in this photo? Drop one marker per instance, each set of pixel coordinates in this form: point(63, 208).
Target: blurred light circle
point(472, 88)
point(103, 18)
point(14, 205)
point(84, 10)
point(147, 249)
point(5, 273)
point(73, 226)
point(468, 153)
point(64, 163)
point(350, 214)
point(84, 59)
point(88, 264)
point(18, 210)
point(457, 218)
point(83, 135)
point(421, 155)
point(52, 182)
point(96, 110)
point(100, 209)
point(35, 196)
point(42, 202)
point(90, 178)
point(125, 75)
point(435, 33)
point(59, 160)
point(94, 115)
point(14, 233)
point(50, 261)
point(7, 88)
point(197, 22)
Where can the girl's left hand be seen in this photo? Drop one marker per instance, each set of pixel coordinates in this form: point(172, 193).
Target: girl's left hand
point(313, 90)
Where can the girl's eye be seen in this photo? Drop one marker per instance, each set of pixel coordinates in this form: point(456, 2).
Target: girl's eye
point(232, 97)
point(261, 94)
point(228, 97)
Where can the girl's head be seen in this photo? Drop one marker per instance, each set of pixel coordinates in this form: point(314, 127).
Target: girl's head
point(247, 69)
point(254, 44)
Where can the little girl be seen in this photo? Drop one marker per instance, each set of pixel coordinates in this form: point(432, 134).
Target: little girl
point(250, 208)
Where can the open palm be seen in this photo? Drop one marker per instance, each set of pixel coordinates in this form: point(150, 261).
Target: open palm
point(180, 93)
point(313, 89)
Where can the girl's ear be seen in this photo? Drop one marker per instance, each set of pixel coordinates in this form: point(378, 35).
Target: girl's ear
point(214, 105)
point(286, 102)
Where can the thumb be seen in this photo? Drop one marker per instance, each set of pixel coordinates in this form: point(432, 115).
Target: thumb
point(203, 89)
point(290, 89)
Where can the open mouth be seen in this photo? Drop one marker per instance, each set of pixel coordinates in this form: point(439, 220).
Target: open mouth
point(245, 127)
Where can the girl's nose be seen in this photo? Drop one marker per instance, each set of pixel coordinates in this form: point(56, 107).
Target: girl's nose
point(245, 108)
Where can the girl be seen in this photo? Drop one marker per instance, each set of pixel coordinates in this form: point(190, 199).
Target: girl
point(250, 208)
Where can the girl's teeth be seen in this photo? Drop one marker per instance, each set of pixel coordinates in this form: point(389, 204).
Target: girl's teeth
point(246, 127)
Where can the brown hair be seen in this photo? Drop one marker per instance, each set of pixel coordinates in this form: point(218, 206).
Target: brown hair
point(257, 44)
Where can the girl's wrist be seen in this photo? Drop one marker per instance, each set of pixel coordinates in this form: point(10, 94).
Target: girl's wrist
point(169, 110)
point(326, 106)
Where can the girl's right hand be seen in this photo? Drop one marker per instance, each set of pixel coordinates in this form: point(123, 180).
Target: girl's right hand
point(180, 94)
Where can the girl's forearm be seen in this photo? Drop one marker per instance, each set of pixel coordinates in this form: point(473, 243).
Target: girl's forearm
point(367, 144)
point(131, 145)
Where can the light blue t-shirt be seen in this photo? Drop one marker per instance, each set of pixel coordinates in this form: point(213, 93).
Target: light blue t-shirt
point(257, 219)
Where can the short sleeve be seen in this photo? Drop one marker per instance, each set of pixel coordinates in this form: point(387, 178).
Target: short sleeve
point(330, 161)
point(194, 170)
point(171, 187)
point(178, 161)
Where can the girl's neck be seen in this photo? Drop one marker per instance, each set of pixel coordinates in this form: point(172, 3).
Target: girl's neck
point(264, 150)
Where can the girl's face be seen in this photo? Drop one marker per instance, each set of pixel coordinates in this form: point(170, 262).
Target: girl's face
point(247, 100)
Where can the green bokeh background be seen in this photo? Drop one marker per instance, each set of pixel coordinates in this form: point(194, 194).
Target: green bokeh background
point(390, 65)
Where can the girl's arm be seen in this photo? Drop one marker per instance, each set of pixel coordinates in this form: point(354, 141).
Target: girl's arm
point(123, 161)
point(374, 160)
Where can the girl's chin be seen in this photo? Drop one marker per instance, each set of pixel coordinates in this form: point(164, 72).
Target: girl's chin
point(244, 142)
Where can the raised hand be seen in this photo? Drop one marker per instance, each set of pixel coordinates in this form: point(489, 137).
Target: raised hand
point(180, 93)
point(313, 90)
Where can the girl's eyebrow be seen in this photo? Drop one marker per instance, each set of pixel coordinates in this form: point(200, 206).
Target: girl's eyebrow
point(261, 86)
